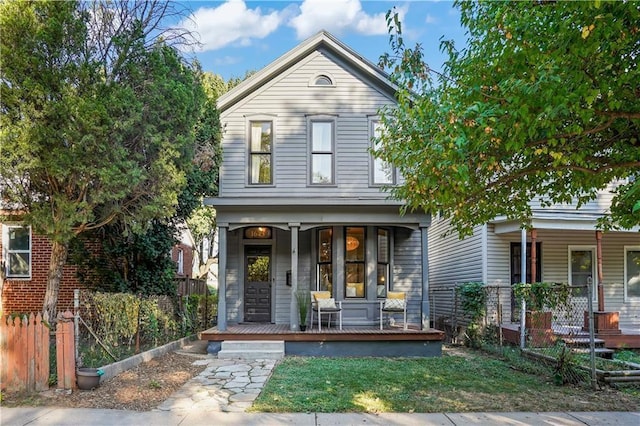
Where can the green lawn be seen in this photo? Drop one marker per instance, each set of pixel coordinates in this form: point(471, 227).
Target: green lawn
point(472, 381)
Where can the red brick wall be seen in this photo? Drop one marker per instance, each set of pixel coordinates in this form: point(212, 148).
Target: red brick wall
point(27, 295)
point(187, 253)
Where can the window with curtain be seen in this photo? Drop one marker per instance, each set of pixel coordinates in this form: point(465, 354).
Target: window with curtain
point(632, 271)
point(382, 281)
point(17, 243)
point(322, 146)
point(260, 153)
point(355, 262)
point(325, 260)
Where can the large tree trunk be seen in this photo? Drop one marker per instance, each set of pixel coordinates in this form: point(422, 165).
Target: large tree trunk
point(59, 254)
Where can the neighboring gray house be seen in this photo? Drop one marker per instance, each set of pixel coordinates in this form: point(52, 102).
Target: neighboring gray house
point(301, 202)
point(565, 251)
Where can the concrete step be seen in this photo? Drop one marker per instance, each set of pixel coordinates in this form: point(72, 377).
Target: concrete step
point(582, 342)
point(600, 352)
point(251, 349)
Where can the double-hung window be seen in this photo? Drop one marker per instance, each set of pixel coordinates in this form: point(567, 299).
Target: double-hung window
point(325, 260)
point(261, 153)
point(322, 135)
point(631, 272)
point(383, 249)
point(17, 251)
point(582, 272)
point(382, 173)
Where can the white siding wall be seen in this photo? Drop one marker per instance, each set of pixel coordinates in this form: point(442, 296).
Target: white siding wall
point(234, 265)
point(290, 100)
point(451, 261)
point(599, 205)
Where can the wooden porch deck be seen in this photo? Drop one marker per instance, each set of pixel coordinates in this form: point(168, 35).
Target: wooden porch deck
point(256, 331)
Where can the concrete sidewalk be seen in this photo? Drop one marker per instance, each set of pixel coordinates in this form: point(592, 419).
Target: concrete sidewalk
point(33, 416)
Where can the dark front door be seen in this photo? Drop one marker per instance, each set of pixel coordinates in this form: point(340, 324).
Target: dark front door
point(257, 285)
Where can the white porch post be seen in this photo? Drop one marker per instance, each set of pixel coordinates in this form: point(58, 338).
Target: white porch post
point(425, 324)
point(222, 276)
point(523, 279)
point(294, 316)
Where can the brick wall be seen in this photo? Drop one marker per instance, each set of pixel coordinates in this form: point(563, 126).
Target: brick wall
point(187, 253)
point(27, 295)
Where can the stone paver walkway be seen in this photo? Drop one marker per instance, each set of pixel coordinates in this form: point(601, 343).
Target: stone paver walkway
point(226, 385)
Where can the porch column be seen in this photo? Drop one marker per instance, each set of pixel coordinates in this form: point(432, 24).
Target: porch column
point(425, 309)
point(222, 276)
point(534, 259)
point(294, 316)
point(523, 279)
point(599, 271)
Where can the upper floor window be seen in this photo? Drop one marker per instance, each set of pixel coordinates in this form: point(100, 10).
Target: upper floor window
point(16, 241)
point(632, 272)
point(322, 152)
point(180, 262)
point(323, 79)
point(383, 173)
point(261, 153)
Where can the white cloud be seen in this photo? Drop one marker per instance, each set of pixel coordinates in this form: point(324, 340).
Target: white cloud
point(338, 17)
point(233, 23)
point(430, 19)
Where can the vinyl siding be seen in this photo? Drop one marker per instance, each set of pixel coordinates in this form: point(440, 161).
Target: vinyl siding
point(451, 261)
point(407, 270)
point(233, 274)
point(289, 101)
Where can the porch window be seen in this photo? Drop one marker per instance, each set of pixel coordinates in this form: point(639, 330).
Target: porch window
point(322, 152)
point(325, 263)
point(17, 251)
point(355, 262)
point(582, 269)
point(631, 272)
point(260, 153)
point(383, 173)
point(383, 262)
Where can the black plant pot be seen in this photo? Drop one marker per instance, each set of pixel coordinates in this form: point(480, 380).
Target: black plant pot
point(303, 327)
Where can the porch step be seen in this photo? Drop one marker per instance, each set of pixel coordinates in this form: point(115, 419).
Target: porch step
point(581, 342)
point(252, 349)
point(599, 352)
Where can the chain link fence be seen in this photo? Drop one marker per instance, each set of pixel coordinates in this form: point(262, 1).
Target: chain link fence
point(560, 336)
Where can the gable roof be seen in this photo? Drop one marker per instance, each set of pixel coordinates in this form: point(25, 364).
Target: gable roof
point(323, 40)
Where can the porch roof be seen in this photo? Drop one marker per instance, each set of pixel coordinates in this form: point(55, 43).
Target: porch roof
point(555, 220)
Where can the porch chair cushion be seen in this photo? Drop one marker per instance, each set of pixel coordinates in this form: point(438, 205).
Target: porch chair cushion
point(327, 304)
point(395, 301)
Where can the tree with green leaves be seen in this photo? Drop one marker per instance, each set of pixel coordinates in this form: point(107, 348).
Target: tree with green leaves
point(544, 101)
point(98, 118)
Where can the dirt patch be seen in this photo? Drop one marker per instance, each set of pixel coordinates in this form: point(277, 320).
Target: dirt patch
point(142, 388)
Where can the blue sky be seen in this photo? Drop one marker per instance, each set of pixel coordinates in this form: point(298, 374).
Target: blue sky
point(238, 36)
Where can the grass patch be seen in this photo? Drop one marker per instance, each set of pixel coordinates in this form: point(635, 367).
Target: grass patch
point(460, 381)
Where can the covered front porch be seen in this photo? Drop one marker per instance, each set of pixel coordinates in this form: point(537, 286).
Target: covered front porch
point(333, 342)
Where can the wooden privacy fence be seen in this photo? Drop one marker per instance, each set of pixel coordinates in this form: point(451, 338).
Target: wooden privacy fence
point(24, 347)
point(188, 286)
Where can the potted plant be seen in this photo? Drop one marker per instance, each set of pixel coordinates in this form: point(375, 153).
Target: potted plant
point(303, 307)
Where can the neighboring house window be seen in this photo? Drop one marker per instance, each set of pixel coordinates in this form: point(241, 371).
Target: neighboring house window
point(180, 262)
point(325, 263)
point(17, 251)
point(582, 261)
point(383, 173)
point(355, 250)
point(261, 153)
point(383, 262)
point(631, 272)
point(322, 155)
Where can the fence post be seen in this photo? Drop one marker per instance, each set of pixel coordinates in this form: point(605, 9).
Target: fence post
point(65, 349)
point(592, 342)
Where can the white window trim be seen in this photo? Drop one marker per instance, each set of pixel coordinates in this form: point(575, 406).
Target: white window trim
point(5, 251)
point(594, 267)
point(372, 159)
point(260, 117)
point(180, 261)
point(312, 80)
point(321, 119)
point(626, 281)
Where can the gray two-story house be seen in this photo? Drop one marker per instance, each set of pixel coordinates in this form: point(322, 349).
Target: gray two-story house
point(302, 203)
